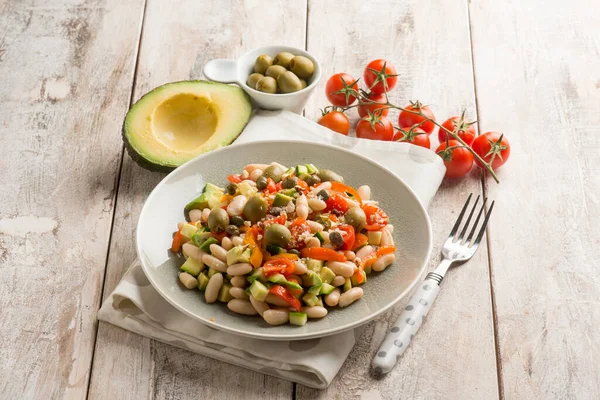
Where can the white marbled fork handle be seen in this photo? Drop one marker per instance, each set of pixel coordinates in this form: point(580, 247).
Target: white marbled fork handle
point(407, 325)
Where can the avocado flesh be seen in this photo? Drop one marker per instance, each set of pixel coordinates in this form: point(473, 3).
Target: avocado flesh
point(177, 122)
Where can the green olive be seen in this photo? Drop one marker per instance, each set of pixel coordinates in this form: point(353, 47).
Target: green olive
point(218, 219)
point(255, 209)
point(303, 82)
point(356, 217)
point(267, 85)
point(283, 59)
point(237, 220)
point(275, 70)
point(289, 182)
point(288, 82)
point(313, 180)
point(261, 182)
point(262, 63)
point(277, 235)
point(253, 79)
point(302, 67)
point(274, 172)
point(329, 176)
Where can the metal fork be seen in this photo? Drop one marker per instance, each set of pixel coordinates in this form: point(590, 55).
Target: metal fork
point(455, 249)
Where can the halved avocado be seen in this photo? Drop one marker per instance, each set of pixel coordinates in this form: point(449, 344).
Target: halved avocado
point(179, 121)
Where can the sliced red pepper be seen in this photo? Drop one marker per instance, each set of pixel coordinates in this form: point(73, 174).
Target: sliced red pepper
point(359, 241)
point(368, 260)
point(177, 241)
point(303, 185)
point(340, 187)
point(279, 186)
point(376, 217)
point(348, 236)
point(234, 178)
point(279, 265)
point(337, 203)
point(277, 220)
point(322, 253)
point(383, 250)
point(285, 294)
point(359, 276)
point(219, 236)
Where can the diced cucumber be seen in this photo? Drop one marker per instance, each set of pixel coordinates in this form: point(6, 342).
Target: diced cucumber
point(311, 168)
point(354, 278)
point(311, 279)
point(314, 265)
point(206, 245)
point(301, 170)
point(288, 192)
point(304, 177)
point(273, 250)
point(319, 301)
point(327, 275)
point(212, 271)
point(298, 318)
point(258, 274)
point(374, 237)
point(238, 254)
point(319, 236)
point(258, 291)
point(202, 282)
point(224, 295)
point(310, 299)
point(326, 288)
point(200, 237)
point(281, 200)
point(315, 290)
point(347, 285)
point(188, 230)
point(280, 280)
point(192, 266)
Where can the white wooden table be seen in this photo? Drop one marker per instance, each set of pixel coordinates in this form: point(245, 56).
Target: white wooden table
point(520, 321)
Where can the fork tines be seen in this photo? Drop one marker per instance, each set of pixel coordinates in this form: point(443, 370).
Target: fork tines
point(455, 229)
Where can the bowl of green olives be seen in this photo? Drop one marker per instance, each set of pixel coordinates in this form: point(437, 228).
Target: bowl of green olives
point(275, 77)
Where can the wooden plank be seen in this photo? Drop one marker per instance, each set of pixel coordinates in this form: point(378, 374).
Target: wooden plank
point(453, 356)
point(65, 81)
point(538, 79)
point(178, 39)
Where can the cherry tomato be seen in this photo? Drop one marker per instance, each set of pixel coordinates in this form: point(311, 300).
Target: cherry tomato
point(298, 228)
point(418, 137)
point(380, 76)
point(279, 265)
point(376, 217)
point(492, 149)
point(458, 161)
point(379, 104)
point(337, 204)
point(348, 236)
point(406, 119)
point(466, 131)
point(336, 83)
point(234, 178)
point(379, 128)
point(337, 121)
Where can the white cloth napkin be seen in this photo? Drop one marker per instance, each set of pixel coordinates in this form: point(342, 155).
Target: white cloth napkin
point(135, 305)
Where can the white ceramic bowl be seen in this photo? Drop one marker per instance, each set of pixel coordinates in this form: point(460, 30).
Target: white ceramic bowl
point(164, 208)
point(237, 71)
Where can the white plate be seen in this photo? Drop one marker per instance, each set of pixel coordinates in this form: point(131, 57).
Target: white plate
point(164, 208)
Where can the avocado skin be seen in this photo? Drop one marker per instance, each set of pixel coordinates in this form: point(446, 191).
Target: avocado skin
point(155, 167)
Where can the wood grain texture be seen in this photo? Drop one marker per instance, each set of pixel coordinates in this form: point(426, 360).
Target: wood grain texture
point(538, 75)
point(177, 41)
point(453, 356)
point(65, 80)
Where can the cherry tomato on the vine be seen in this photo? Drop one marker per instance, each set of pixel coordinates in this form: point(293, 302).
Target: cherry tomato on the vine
point(337, 121)
point(492, 149)
point(418, 137)
point(379, 104)
point(375, 128)
point(457, 159)
point(466, 130)
point(380, 76)
point(407, 118)
point(337, 82)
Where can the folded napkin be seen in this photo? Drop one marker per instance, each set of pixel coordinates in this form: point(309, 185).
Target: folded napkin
point(135, 305)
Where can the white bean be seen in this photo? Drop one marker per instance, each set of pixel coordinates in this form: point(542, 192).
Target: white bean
point(239, 269)
point(290, 208)
point(386, 238)
point(226, 243)
point(251, 167)
point(239, 281)
point(389, 228)
point(322, 186)
point(195, 215)
point(325, 236)
point(365, 251)
point(238, 293)
point(383, 262)
point(241, 307)
point(276, 317)
point(315, 311)
point(364, 192)
point(313, 242)
point(316, 204)
point(350, 255)
point(351, 203)
point(244, 174)
point(213, 287)
point(214, 263)
point(314, 226)
point(254, 175)
point(259, 306)
point(188, 280)
point(278, 301)
point(189, 250)
point(218, 252)
point(302, 206)
point(204, 215)
point(350, 296)
point(345, 269)
point(237, 241)
point(301, 268)
point(180, 225)
point(237, 205)
point(338, 281)
point(332, 299)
